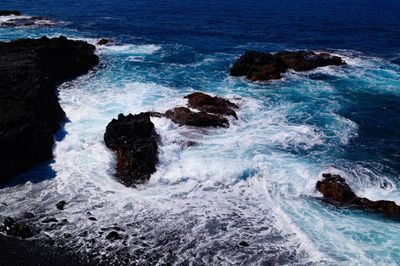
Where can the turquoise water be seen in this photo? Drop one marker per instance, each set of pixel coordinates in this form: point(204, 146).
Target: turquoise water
point(253, 182)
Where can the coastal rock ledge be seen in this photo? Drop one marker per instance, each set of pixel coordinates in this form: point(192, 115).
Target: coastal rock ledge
point(266, 66)
point(337, 192)
point(30, 114)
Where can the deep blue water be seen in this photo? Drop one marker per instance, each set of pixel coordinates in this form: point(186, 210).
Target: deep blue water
point(338, 119)
point(367, 26)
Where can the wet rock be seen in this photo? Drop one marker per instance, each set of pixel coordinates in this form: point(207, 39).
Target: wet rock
point(29, 110)
point(184, 116)
point(134, 140)
point(8, 222)
point(61, 204)
point(113, 235)
point(336, 191)
point(28, 215)
point(103, 41)
point(27, 22)
point(266, 66)
point(49, 220)
point(16, 229)
point(209, 104)
point(244, 244)
point(9, 13)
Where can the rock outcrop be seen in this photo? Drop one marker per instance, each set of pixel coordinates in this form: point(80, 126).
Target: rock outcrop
point(266, 66)
point(184, 116)
point(215, 105)
point(337, 192)
point(16, 229)
point(15, 19)
point(212, 111)
point(134, 140)
point(30, 113)
point(103, 41)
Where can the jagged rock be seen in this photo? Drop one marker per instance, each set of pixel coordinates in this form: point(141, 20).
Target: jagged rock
point(134, 139)
point(61, 204)
point(27, 21)
point(184, 116)
point(336, 191)
point(215, 105)
point(29, 110)
point(16, 229)
point(244, 244)
point(113, 235)
point(9, 13)
point(266, 66)
point(103, 41)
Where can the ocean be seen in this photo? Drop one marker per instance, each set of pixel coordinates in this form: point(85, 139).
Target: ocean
point(253, 182)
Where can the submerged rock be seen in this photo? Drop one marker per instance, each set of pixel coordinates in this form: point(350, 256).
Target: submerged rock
point(29, 110)
point(266, 66)
point(134, 139)
point(210, 104)
point(336, 191)
point(184, 116)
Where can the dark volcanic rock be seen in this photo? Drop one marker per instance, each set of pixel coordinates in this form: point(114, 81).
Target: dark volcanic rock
point(113, 235)
point(103, 41)
point(134, 139)
point(61, 204)
point(9, 13)
point(266, 66)
point(209, 104)
point(27, 21)
point(336, 191)
point(16, 229)
point(29, 110)
point(306, 60)
point(184, 116)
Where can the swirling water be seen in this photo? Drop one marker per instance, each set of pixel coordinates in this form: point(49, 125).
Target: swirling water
point(252, 182)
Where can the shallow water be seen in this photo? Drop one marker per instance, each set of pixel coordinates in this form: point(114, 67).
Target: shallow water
point(253, 182)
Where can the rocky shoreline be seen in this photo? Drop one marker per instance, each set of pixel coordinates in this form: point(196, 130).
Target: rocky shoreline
point(30, 70)
point(30, 115)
